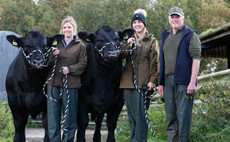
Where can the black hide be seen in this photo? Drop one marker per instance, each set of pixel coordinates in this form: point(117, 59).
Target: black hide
point(100, 93)
point(25, 79)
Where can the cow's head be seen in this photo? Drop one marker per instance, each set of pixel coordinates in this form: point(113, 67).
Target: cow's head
point(35, 46)
point(106, 41)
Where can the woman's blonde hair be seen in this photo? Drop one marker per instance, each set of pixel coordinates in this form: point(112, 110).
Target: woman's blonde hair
point(72, 22)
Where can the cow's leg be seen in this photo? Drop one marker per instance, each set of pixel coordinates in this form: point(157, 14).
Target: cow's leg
point(82, 121)
point(45, 125)
point(20, 121)
point(112, 117)
point(97, 132)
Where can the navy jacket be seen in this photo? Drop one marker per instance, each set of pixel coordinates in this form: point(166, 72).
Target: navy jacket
point(184, 62)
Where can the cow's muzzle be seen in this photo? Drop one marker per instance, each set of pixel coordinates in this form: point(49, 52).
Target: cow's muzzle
point(38, 63)
point(113, 53)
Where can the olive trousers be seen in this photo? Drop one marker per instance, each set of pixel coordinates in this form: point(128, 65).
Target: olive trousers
point(136, 114)
point(178, 106)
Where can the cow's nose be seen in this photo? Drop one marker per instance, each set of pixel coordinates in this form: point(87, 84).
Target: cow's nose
point(112, 53)
point(38, 63)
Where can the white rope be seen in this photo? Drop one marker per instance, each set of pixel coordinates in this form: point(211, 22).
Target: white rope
point(65, 80)
point(143, 94)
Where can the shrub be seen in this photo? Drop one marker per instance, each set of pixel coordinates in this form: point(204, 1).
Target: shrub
point(6, 122)
point(211, 65)
point(211, 118)
point(210, 122)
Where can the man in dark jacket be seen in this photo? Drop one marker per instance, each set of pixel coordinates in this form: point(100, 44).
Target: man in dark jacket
point(179, 65)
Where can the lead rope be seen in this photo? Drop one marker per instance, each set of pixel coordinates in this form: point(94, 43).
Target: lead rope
point(53, 72)
point(64, 86)
point(143, 94)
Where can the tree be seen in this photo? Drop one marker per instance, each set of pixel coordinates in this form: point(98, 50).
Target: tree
point(93, 14)
point(214, 13)
point(21, 16)
point(14, 15)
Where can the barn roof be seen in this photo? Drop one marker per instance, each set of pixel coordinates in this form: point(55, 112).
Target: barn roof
point(216, 43)
point(221, 35)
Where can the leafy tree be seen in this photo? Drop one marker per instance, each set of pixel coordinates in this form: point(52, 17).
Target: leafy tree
point(14, 15)
point(214, 13)
point(93, 14)
point(20, 16)
point(160, 12)
point(55, 12)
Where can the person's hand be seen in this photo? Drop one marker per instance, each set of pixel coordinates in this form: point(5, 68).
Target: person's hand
point(191, 88)
point(151, 86)
point(65, 70)
point(130, 41)
point(55, 51)
point(161, 90)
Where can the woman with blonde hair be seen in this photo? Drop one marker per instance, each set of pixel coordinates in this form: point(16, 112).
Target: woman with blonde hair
point(142, 74)
point(72, 61)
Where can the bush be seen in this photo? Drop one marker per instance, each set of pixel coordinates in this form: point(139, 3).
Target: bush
point(211, 65)
point(211, 118)
point(210, 122)
point(6, 123)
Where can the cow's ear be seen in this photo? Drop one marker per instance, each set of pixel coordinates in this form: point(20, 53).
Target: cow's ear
point(54, 40)
point(126, 33)
point(14, 40)
point(85, 36)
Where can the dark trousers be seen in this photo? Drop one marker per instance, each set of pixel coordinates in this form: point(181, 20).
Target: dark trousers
point(136, 114)
point(178, 111)
point(54, 115)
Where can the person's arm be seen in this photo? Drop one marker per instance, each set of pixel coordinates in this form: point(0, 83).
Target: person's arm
point(154, 61)
point(195, 69)
point(195, 53)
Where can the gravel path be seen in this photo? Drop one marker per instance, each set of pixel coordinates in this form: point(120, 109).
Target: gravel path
point(37, 134)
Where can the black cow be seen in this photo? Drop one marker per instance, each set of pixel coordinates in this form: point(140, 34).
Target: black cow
point(99, 93)
point(25, 78)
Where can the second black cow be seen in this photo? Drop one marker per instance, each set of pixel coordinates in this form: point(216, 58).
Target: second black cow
point(99, 93)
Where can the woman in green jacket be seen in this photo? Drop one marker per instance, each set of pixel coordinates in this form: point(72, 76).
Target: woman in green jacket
point(145, 62)
point(72, 60)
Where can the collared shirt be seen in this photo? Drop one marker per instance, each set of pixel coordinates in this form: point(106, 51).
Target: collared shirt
point(171, 47)
point(71, 42)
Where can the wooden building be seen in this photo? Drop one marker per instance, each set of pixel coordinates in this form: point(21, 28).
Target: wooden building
point(216, 43)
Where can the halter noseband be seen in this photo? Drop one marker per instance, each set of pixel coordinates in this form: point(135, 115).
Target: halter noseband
point(100, 51)
point(44, 55)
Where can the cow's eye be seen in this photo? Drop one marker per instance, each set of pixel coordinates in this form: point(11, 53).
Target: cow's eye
point(26, 48)
point(45, 48)
point(117, 40)
point(99, 42)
